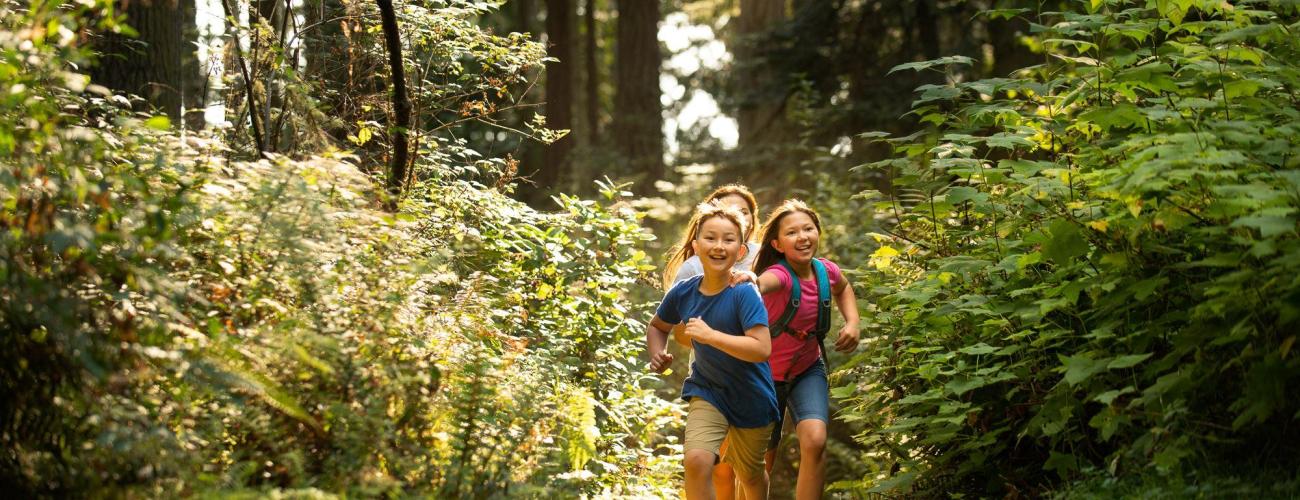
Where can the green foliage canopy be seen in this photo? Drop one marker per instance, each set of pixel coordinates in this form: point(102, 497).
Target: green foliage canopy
point(1093, 263)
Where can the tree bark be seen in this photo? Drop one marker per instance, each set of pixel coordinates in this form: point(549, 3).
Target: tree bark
point(194, 84)
point(761, 108)
point(638, 114)
point(150, 65)
point(560, 86)
point(401, 103)
point(592, 73)
point(525, 13)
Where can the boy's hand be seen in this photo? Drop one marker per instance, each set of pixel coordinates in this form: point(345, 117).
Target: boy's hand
point(848, 339)
point(660, 361)
point(698, 330)
point(738, 277)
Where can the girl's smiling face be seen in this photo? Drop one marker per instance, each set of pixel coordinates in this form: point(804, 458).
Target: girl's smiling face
point(739, 203)
point(797, 238)
point(717, 244)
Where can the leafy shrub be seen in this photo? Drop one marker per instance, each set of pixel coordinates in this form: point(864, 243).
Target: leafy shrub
point(1094, 262)
point(88, 221)
point(176, 324)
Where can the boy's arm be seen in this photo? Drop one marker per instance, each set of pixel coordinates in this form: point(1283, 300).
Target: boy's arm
point(656, 339)
point(847, 301)
point(755, 346)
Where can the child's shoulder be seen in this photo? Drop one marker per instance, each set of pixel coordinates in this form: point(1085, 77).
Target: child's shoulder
point(685, 286)
point(830, 265)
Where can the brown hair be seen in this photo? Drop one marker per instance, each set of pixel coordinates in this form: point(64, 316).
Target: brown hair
point(683, 249)
point(768, 254)
point(743, 192)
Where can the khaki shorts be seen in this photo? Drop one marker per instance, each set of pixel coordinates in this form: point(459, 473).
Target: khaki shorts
point(706, 428)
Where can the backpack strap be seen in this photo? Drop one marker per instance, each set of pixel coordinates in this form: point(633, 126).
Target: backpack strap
point(823, 299)
point(778, 327)
point(823, 307)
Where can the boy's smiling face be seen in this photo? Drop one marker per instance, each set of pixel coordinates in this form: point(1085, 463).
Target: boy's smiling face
point(718, 245)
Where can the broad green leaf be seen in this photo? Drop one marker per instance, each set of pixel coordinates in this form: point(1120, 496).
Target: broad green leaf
point(978, 349)
point(1267, 225)
point(1127, 361)
point(1080, 368)
point(1066, 242)
point(1109, 396)
point(942, 61)
point(160, 122)
point(1062, 463)
point(962, 385)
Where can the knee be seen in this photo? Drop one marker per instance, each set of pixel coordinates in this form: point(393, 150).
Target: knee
point(699, 462)
point(812, 442)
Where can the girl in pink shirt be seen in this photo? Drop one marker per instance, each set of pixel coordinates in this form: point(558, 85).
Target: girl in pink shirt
point(791, 234)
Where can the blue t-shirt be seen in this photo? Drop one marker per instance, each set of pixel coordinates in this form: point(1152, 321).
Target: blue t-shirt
point(741, 390)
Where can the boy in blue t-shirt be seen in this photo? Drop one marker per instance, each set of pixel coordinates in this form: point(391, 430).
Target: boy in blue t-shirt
point(730, 392)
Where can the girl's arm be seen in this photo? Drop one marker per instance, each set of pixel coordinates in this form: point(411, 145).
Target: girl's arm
point(656, 339)
point(679, 334)
point(755, 346)
point(847, 301)
point(690, 267)
point(768, 283)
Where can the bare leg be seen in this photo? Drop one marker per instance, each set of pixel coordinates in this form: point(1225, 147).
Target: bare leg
point(755, 486)
point(724, 480)
point(699, 468)
point(812, 458)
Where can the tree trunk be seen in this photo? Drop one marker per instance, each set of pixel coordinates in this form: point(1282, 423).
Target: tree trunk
point(150, 65)
point(401, 104)
point(327, 62)
point(560, 83)
point(194, 83)
point(592, 73)
point(761, 108)
point(927, 28)
point(525, 14)
point(638, 115)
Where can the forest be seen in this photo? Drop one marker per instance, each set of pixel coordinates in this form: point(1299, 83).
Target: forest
point(392, 248)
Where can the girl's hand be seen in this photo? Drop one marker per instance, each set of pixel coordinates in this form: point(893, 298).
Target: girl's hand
point(699, 331)
point(738, 277)
point(660, 361)
point(848, 339)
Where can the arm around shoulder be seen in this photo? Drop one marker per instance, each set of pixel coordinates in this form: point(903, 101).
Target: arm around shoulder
point(769, 282)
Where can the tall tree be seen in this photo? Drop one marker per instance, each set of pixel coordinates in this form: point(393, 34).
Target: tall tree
point(194, 80)
point(151, 64)
point(592, 73)
point(638, 116)
point(560, 86)
point(525, 13)
point(401, 103)
point(760, 114)
point(328, 61)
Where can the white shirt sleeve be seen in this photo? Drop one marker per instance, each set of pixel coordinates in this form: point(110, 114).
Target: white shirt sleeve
point(690, 268)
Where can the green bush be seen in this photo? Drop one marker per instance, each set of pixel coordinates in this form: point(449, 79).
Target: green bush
point(175, 324)
point(1093, 262)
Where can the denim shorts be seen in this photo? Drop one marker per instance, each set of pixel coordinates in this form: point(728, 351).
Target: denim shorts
point(807, 396)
